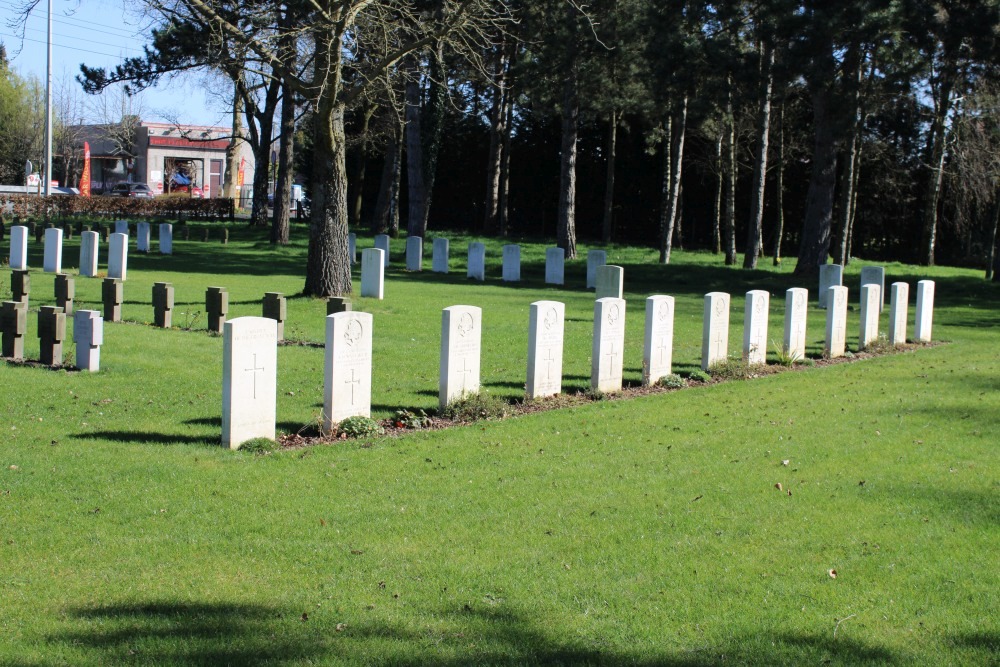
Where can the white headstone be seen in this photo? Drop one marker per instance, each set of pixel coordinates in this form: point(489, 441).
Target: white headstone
point(555, 266)
point(439, 258)
point(461, 346)
point(871, 298)
point(836, 322)
point(715, 330)
point(18, 248)
point(925, 311)
point(53, 250)
point(512, 263)
point(898, 313)
point(477, 261)
point(372, 272)
point(595, 258)
point(88, 253)
point(382, 242)
point(796, 309)
point(546, 323)
point(166, 239)
point(414, 253)
point(249, 379)
point(352, 247)
point(607, 354)
point(117, 255)
point(610, 282)
point(658, 345)
point(755, 326)
point(121, 227)
point(347, 376)
point(142, 237)
point(88, 334)
point(875, 275)
point(830, 275)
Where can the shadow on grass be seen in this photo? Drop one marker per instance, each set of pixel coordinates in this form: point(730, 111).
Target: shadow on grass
point(247, 634)
point(146, 438)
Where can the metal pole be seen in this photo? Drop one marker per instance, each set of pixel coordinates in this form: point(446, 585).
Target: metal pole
point(48, 111)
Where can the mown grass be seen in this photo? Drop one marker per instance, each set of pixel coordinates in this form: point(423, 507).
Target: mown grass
point(644, 532)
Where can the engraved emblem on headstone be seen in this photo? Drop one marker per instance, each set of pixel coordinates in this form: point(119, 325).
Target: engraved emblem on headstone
point(758, 305)
point(353, 332)
point(613, 315)
point(664, 311)
point(720, 306)
point(465, 324)
point(551, 319)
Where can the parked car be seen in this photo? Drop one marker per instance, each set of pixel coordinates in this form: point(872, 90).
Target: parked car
point(194, 191)
point(140, 190)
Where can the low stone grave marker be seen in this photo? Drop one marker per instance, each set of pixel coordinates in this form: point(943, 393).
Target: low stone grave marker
point(373, 273)
point(142, 237)
point(925, 311)
point(88, 254)
point(439, 257)
point(52, 262)
point(20, 285)
point(65, 292)
point(555, 266)
point(477, 261)
point(511, 263)
point(871, 300)
point(414, 253)
point(595, 259)
point(830, 275)
point(898, 313)
point(338, 304)
point(105, 233)
point(166, 239)
point(51, 333)
point(755, 327)
point(217, 307)
point(381, 242)
point(546, 324)
point(875, 275)
point(352, 247)
point(118, 256)
point(121, 227)
point(658, 341)
point(88, 334)
point(68, 231)
point(347, 371)
point(610, 282)
point(608, 348)
point(18, 248)
point(461, 346)
point(13, 325)
point(111, 295)
point(249, 380)
point(163, 305)
point(796, 310)
point(275, 307)
point(836, 322)
point(715, 330)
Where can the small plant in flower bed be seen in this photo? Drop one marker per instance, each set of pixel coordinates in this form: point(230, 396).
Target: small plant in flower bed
point(259, 446)
point(672, 381)
point(784, 357)
point(475, 407)
point(737, 369)
point(406, 419)
point(699, 376)
point(359, 427)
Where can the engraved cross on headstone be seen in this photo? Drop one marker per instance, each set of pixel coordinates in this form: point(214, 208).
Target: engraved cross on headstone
point(355, 382)
point(465, 370)
point(662, 347)
point(548, 366)
point(254, 369)
point(612, 355)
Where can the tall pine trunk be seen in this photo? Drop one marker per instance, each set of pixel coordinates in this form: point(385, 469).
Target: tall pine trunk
point(498, 118)
point(503, 215)
point(849, 177)
point(286, 153)
point(731, 176)
point(993, 257)
point(717, 209)
point(673, 198)
point(230, 190)
point(414, 153)
point(328, 268)
point(755, 228)
point(566, 224)
point(386, 216)
point(814, 247)
point(935, 176)
point(607, 224)
point(356, 186)
point(779, 187)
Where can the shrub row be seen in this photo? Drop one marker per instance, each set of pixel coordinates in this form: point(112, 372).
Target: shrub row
point(64, 206)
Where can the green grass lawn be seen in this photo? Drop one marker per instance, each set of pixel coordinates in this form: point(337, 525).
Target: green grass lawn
point(647, 531)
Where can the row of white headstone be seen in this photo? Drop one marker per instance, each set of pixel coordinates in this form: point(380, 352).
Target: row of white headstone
point(250, 349)
point(89, 248)
point(376, 259)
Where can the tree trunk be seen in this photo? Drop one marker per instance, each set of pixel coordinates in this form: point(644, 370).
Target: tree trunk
point(229, 188)
point(607, 225)
point(755, 228)
point(779, 187)
point(328, 268)
point(993, 258)
point(668, 146)
point(433, 128)
point(262, 168)
point(717, 210)
point(388, 191)
point(814, 247)
point(504, 213)
point(493, 161)
point(414, 153)
point(849, 177)
point(357, 184)
point(679, 219)
point(935, 161)
point(731, 176)
point(286, 164)
point(676, 164)
point(566, 229)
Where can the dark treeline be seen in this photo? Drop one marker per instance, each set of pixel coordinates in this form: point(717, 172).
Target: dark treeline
point(810, 129)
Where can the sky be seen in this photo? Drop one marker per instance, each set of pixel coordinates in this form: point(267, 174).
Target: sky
point(103, 33)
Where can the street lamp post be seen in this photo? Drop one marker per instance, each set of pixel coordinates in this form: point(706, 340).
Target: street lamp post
point(48, 110)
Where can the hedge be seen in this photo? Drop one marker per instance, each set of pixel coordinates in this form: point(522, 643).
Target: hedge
point(66, 206)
